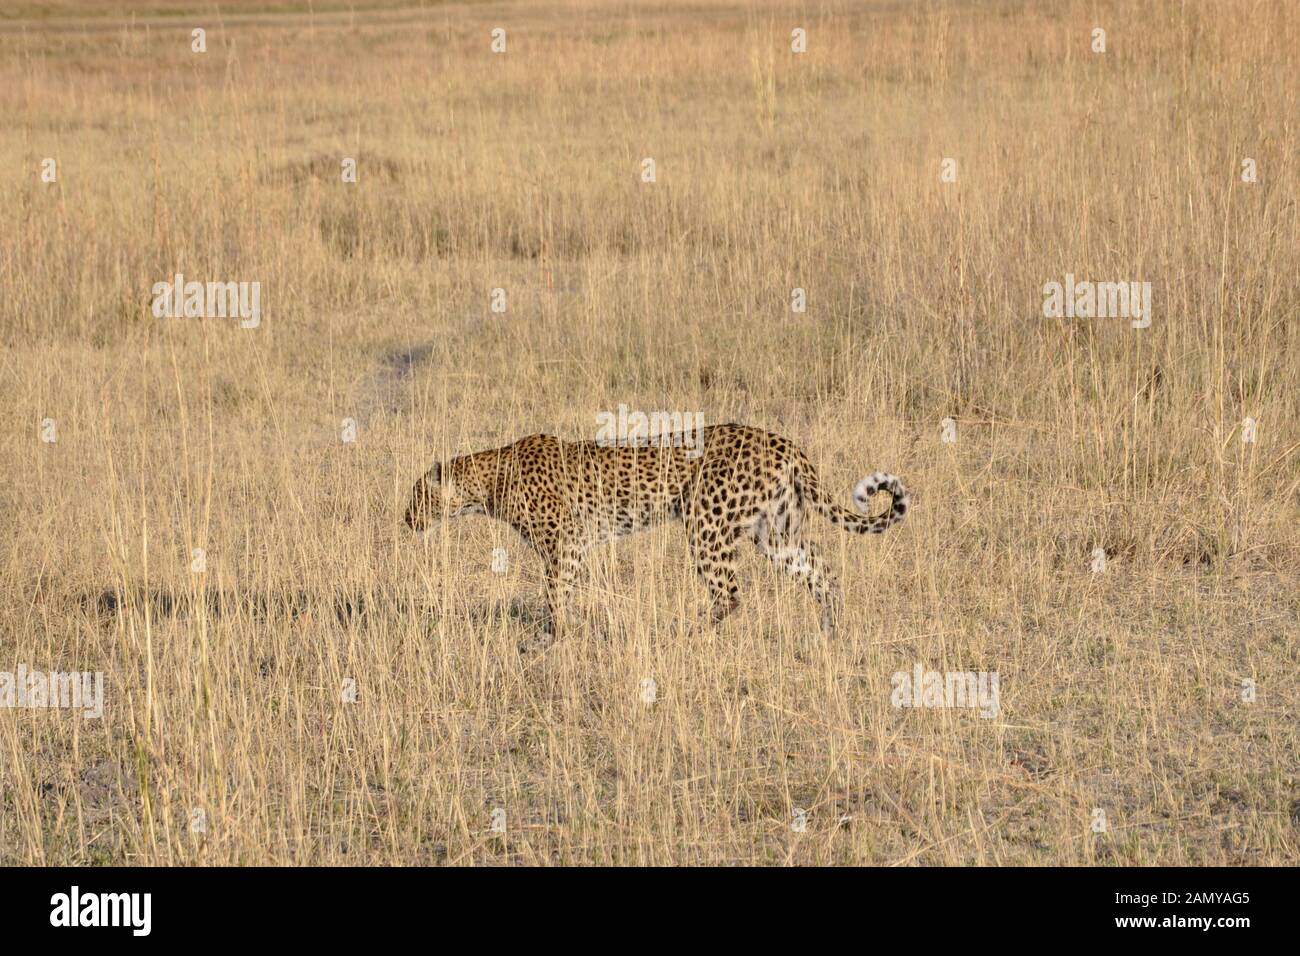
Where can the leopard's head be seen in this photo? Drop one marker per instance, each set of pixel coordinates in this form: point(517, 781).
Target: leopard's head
point(448, 492)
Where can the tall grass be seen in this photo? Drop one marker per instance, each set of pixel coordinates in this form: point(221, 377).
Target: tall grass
point(1120, 690)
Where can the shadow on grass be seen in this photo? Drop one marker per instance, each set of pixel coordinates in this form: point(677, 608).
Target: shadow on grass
point(349, 610)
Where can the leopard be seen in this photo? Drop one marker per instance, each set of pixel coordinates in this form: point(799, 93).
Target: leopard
point(726, 483)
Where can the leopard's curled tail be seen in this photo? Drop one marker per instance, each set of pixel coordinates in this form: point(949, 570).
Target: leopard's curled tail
point(865, 523)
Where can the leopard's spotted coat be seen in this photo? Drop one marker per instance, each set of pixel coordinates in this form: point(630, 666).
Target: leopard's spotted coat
point(564, 497)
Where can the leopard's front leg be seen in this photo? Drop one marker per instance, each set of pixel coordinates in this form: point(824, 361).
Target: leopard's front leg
point(563, 567)
point(542, 522)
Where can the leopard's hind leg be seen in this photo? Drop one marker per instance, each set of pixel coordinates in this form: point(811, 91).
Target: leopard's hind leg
point(787, 549)
point(712, 541)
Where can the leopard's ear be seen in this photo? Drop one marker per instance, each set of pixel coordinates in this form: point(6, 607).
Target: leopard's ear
point(435, 473)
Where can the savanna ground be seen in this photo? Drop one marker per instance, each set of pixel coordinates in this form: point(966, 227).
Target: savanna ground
point(226, 736)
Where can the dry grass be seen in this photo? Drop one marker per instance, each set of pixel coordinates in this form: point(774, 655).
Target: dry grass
point(1120, 690)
